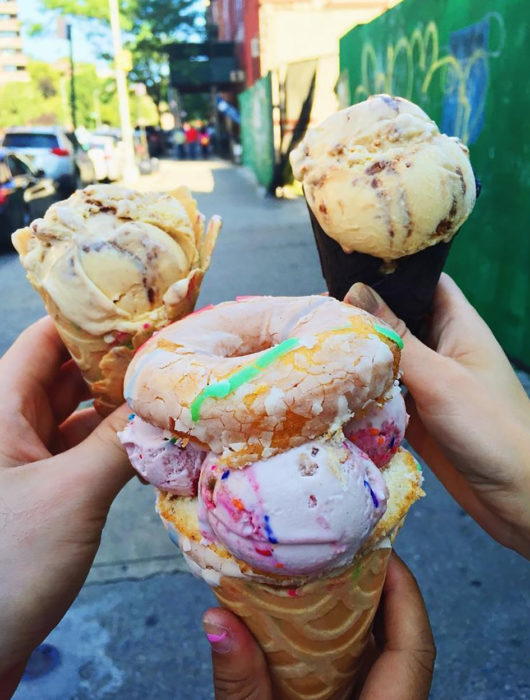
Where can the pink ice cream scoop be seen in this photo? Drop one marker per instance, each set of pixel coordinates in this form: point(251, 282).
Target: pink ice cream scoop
point(302, 511)
point(381, 431)
point(171, 464)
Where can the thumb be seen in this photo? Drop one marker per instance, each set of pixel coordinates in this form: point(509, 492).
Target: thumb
point(239, 667)
point(418, 362)
point(99, 463)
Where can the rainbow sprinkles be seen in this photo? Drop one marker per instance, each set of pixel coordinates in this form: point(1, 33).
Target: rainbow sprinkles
point(221, 389)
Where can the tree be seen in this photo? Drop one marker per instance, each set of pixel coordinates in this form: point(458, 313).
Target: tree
point(149, 24)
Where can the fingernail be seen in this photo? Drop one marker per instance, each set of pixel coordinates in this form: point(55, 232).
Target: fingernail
point(364, 297)
point(218, 637)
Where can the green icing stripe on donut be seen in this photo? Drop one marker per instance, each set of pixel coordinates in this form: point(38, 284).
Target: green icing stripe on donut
point(389, 333)
point(226, 386)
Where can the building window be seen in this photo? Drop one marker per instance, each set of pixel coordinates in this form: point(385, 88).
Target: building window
point(6, 33)
point(10, 69)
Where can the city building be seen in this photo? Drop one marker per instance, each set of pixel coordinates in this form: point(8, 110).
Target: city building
point(272, 33)
point(13, 61)
point(293, 46)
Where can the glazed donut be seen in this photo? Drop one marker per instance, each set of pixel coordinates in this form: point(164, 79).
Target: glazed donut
point(252, 378)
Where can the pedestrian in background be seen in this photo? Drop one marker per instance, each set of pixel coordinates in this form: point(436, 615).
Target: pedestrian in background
point(179, 141)
point(192, 141)
point(204, 141)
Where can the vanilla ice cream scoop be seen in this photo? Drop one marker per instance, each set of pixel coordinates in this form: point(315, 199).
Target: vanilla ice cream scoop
point(305, 510)
point(109, 257)
point(165, 461)
point(113, 266)
point(381, 179)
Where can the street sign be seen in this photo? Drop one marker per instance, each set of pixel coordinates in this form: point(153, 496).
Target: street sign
point(226, 108)
point(124, 60)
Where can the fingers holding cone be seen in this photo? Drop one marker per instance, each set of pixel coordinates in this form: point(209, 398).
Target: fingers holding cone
point(404, 667)
point(239, 666)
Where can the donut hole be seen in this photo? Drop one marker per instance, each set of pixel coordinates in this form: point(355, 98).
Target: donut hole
point(248, 348)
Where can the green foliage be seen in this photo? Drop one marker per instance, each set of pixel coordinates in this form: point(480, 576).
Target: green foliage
point(22, 103)
point(46, 98)
point(154, 22)
point(45, 78)
point(91, 9)
point(150, 24)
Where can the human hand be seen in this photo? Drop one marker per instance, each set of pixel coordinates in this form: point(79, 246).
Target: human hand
point(59, 473)
point(470, 416)
point(401, 658)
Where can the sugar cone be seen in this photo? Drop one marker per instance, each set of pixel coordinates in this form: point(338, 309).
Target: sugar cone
point(314, 635)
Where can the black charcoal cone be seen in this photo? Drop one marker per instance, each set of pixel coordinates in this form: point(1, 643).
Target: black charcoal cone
point(408, 289)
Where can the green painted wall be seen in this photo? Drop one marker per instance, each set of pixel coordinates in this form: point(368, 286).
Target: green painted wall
point(256, 130)
point(466, 63)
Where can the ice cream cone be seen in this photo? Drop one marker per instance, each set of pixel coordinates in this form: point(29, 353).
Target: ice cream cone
point(104, 319)
point(314, 635)
point(387, 193)
point(406, 284)
point(312, 629)
point(103, 360)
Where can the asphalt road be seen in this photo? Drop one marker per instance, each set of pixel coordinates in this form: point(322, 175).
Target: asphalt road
point(134, 631)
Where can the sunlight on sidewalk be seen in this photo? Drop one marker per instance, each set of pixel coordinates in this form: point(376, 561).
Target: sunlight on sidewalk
point(195, 174)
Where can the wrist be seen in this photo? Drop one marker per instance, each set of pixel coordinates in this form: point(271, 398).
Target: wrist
point(516, 513)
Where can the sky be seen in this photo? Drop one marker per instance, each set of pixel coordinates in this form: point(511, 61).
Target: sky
point(48, 47)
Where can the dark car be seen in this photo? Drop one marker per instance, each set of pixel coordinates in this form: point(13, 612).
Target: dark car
point(25, 194)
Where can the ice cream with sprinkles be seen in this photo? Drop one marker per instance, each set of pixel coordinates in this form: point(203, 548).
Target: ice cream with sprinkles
point(272, 428)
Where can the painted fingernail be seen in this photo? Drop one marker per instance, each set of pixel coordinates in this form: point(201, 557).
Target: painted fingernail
point(218, 637)
point(364, 297)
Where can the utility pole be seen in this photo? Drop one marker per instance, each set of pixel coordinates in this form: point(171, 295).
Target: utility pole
point(73, 110)
point(131, 170)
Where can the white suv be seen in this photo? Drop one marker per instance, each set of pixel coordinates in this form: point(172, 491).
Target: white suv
point(54, 151)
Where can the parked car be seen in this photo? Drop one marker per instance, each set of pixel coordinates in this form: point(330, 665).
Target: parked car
point(56, 152)
point(25, 194)
point(141, 151)
point(107, 156)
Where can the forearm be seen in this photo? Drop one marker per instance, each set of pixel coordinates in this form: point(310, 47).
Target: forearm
point(10, 679)
point(516, 511)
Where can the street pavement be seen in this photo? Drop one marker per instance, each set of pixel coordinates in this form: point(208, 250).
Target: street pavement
point(134, 631)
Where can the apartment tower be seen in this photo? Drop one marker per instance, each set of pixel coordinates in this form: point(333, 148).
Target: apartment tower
point(13, 61)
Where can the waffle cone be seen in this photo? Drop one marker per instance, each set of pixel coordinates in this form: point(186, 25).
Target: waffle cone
point(314, 635)
point(103, 359)
point(102, 364)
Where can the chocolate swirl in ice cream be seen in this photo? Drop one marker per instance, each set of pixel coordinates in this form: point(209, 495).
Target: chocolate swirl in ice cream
point(107, 256)
point(381, 179)
point(113, 266)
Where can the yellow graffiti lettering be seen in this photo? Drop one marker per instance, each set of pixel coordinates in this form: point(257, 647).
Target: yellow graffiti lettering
point(416, 60)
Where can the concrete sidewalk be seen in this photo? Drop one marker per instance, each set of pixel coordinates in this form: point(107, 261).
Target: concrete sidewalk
point(135, 632)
